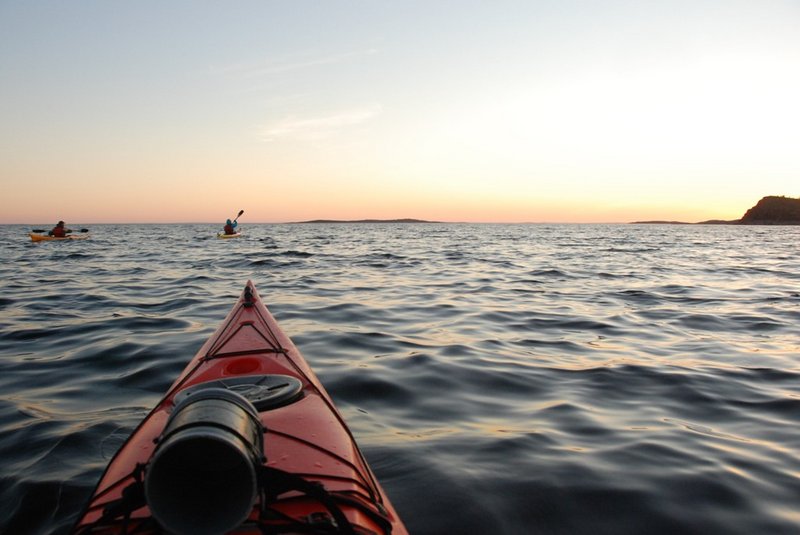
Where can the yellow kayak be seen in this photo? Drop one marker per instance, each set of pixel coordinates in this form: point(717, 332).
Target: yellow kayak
point(44, 237)
point(226, 236)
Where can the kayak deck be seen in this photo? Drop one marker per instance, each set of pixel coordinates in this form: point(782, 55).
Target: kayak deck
point(228, 236)
point(44, 237)
point(305, 436)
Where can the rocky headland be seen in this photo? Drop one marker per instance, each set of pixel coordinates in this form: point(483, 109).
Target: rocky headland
point(771, 210)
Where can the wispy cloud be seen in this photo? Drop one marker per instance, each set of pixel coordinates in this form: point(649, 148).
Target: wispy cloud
point(311, 128)
point(290, 64)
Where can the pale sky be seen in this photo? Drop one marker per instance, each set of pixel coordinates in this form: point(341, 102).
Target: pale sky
point(486, 111)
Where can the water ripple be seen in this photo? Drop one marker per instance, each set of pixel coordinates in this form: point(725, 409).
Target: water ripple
point(519, 378)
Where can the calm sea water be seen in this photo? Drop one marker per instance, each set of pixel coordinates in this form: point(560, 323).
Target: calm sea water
point(511, 379)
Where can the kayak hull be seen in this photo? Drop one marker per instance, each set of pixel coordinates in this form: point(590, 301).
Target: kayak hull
point(44, 237)
point(224, 236)
point(303, 435)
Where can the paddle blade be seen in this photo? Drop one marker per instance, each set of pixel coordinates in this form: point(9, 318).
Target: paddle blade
point(39, 230)
point(240, 214)
point(84, 230)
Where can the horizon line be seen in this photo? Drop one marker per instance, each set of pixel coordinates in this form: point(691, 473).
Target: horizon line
point(340, 221)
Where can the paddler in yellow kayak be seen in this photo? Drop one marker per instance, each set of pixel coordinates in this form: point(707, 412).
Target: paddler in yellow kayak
point(230, 226)
point(59, 231)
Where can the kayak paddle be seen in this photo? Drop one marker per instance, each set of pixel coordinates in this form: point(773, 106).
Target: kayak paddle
point(84, 230)
point(240, 214)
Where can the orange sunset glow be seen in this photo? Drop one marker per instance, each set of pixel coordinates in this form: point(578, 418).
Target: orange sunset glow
point(552, 115)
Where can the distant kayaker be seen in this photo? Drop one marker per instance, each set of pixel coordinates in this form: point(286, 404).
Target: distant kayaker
point(59, 231)
point(230, 226)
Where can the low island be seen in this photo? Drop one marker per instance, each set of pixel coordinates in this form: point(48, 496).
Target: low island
point(406, 220)
point(771, 210)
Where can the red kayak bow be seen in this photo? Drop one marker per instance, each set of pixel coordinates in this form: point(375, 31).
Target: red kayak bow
point(246, 440)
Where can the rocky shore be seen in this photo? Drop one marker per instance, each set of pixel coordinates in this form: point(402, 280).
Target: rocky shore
point(771, 210)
